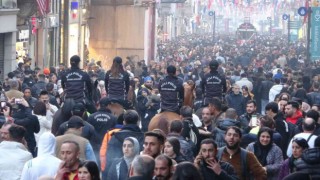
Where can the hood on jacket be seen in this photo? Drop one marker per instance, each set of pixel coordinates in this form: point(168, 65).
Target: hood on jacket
point(46, 144)
point(277, 87)
point(127, 131)
point(223, 125)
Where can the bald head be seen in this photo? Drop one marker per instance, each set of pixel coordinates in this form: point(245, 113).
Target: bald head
point(142, 165)
point(309, 124)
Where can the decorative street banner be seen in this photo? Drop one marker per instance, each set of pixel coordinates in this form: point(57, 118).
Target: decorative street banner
point(315, 34)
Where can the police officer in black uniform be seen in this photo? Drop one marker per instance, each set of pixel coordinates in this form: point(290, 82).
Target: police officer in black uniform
point(171, 91)
point(117, 81)
point(103, 120)
point(213, 84)
point(77, 84)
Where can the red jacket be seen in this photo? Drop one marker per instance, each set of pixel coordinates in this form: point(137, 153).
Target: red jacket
point(295, 117)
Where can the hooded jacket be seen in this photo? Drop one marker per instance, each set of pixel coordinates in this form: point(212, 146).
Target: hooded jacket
point(274, 91)
point(114, 149)
point(46, 163)
point(24, 118)
point(295, 119)
point(45, 126)
point(219, 131)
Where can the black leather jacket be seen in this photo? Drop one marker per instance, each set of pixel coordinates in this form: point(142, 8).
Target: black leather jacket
point(76, 84)
point(171, 93)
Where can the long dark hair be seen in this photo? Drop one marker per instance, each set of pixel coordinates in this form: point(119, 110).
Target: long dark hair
point(304, 145)
point(175, 145)
point(262, 151)
point(116, 67)
point(40, 109)
point(92, 168)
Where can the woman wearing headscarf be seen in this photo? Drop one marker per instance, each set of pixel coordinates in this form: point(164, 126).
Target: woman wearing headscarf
point(288, 166)
point(117, 81)
point(269, 154)
point(120, 167)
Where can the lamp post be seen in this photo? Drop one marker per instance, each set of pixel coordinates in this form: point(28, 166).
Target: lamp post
point(270, 24)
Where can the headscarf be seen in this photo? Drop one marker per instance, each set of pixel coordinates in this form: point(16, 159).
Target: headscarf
point(126, 161)
point(261, 151)
point(136, 145)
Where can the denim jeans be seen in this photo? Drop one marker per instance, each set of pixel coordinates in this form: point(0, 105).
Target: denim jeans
point(264, 103)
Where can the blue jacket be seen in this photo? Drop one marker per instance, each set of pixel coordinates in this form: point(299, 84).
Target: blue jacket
point(237, 102)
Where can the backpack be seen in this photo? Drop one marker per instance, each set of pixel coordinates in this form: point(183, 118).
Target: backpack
point(243, 157)
point(192, 135)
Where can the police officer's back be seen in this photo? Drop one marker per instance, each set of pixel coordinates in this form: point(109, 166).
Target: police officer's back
point(171, 91)
point(213, 84)
point(76, 83)
point(117, 81)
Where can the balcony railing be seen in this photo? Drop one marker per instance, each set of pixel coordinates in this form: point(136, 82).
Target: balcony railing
point(8, 4)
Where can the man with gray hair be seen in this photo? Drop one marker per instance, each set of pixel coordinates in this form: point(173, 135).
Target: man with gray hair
point(14, 92)
point(142, 168)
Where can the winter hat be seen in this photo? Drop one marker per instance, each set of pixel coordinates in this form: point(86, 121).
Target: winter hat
point(147, 78)
point(46, 71)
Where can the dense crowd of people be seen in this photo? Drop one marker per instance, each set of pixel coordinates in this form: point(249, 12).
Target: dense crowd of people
point(252, 113)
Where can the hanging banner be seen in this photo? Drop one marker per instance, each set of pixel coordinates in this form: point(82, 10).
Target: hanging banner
point(315, 34)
